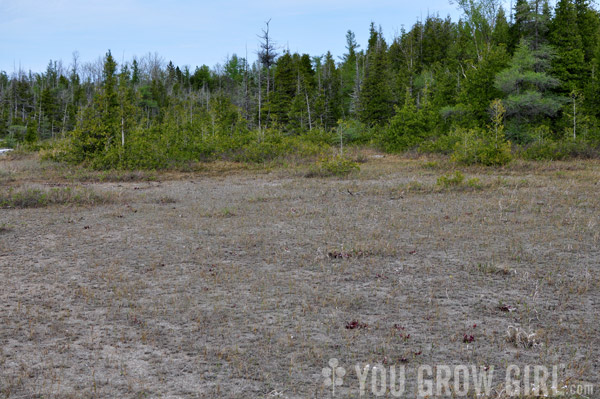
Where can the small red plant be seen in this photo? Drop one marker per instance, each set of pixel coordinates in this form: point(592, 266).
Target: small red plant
point(506, 308)
point(467, 339)
point(354, 324)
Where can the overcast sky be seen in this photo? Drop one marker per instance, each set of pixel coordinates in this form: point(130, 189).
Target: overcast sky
point(193, 33)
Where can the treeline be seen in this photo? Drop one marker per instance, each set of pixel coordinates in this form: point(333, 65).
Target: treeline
point(479, 88)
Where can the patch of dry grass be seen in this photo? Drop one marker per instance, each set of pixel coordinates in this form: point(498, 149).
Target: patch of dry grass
point(245, 284)
point(36, 197)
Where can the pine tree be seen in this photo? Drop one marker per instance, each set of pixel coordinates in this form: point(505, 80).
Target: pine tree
point(376, 105)
point(407, 127)
point(284, 90)
point(588, 27)
point(330, 94)
point(501, 33)
point(99, 130)
point(477, 89)
point(350, 75)
point(527, 87)
point(568, 64)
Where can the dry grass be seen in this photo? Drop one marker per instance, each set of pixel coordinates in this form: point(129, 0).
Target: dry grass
point(35, 197)
point(244, 284)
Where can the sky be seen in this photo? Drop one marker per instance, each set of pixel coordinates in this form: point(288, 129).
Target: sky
point(192, 33)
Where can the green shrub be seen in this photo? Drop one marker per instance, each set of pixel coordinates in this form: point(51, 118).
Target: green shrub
point(273, 145)
point(479, 147)
point(454, 180)
point(550, 150)
point(335, 166)
point(444, 144)
point(353, 132)
point(457, 180)
point(407, 128)
point(542, 150)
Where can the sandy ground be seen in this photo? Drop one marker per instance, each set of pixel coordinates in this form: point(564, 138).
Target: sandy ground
point(247, 284)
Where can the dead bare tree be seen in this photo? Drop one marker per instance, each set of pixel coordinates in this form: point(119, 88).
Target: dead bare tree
point(267, 54)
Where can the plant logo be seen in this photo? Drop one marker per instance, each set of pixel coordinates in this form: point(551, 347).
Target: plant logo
point(334, 375)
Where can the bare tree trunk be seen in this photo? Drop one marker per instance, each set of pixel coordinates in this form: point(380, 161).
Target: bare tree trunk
point(308, 108)
point(62, 131)
point(574, 118)
point(259, 103)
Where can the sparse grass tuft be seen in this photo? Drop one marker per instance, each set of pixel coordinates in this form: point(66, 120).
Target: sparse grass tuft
point(520, 338)
point(166, 200)
point(39, 197)
point(490, 268)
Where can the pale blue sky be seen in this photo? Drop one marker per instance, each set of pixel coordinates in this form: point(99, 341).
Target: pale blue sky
point(191, 32)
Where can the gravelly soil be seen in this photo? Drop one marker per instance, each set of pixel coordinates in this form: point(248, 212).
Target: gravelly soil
point(246, 285)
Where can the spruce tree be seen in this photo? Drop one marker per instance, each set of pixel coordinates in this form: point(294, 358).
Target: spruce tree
point(99, 129)
point(376, 105)
point(568, 64)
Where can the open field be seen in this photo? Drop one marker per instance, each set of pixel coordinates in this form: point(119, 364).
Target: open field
point(239, 283)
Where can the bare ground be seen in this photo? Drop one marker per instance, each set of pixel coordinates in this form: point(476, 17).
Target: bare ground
point(244, 284)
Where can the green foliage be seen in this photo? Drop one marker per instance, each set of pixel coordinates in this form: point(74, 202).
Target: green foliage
point(444, 144)
point(353, 132)
point(568, 65)
point(273, 145)
point(333, 166)
point(551, 150)
point(375, 100)
point(480, 147)
point(406, 129)
point(527, 86)
point(451, 180)
point(478, 90)
point(430, 90)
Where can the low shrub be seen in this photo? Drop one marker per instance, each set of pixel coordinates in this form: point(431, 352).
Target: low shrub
point(451, 180)
point(550, 150)
point(480, 147)
point(334, 166)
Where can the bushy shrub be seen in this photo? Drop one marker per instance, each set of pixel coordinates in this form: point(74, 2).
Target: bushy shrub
point(444, 144)
point(273, 144)
point(333, 166)
point(550, 150)
point(480, 147)
point(406, 129)
point(451, 180)
point(354, 132)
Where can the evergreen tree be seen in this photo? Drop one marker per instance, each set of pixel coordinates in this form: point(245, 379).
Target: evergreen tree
point(99, 130)
point(527, 87)
point(329, 104)
point(588, 27)
point(350, 75)
point(477, 89)
point(376, 105)
point(568, 64)
point(285, 89)
point(407, 127)
point(501, 33)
